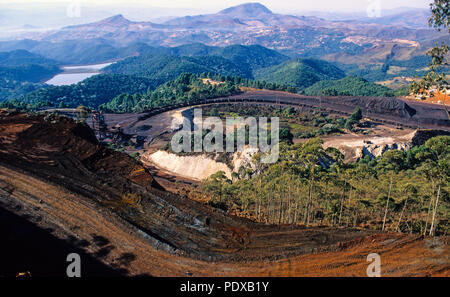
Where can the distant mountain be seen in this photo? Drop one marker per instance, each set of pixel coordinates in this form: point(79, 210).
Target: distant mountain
point(245, 40)
point(300, 73)
point(85, 51)
point(115, 21)
point(245, 17)
point(22, 44)
point(23, 57)
point(416, 18)
point(22, 72)
point(247, 11)
point(410, 18)
point(19, 66)
point(255, 24)
point(167, 63)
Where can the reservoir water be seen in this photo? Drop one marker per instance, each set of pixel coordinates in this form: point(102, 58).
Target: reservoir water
point(75, 74)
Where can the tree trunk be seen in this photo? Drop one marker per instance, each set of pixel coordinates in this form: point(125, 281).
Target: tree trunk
point(296, 208)
point(342, 202)
point(309, 202)
point(428, 212)
point(259, 199)
point(401, 215)
point(288, 213)
point(387, 204)
point(434, 212)
point(281, 207)
point(305, 215)
point(348, 203)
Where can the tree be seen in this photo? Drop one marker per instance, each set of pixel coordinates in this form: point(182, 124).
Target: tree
point(354, 118)
point(356, 115)
point(439, 15)
point(434, 78)
point(407, 190)
point(286, 135)
point(387, 203)
point(216, 184)
point(83, 113)
point(392, 160)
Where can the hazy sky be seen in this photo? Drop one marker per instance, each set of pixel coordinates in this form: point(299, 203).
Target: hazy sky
point(215, 5)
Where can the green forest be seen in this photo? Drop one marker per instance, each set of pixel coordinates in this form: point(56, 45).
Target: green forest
point(186, 88)
point(168, 63)
point(22, 72)
point(166, 68)
point(130, 84)
point(300, 73)
point(91, 92)
point(309, 185)
point(349, 86)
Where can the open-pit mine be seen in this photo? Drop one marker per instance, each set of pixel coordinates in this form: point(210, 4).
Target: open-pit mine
point(62, 190)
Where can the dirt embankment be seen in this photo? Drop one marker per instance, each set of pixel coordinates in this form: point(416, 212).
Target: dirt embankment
point(391, 110)
point(54, 174)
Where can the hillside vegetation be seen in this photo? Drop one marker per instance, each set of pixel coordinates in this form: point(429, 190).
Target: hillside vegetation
point(300, 73)
point(165, 68)
point(22, 72)
point(398, 191)
point(186, 88)
point(149, 67)
point(91, 92)
point(21, 66)
point(167, 63)
point(348, 86)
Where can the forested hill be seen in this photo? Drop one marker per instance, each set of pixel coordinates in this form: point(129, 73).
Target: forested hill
point(300, 73)
point(253, 62)
point(165, 68)
point(168, 63)
point(22, 72)
point(21, 66)
point(186, 88)
point(348, 86)
point(23, 57)
point(91, 92)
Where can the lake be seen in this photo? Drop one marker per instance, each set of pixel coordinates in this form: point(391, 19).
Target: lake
point(75, 74)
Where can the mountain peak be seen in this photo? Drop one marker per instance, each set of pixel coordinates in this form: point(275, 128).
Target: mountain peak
point(248, 10)
point(117, 20)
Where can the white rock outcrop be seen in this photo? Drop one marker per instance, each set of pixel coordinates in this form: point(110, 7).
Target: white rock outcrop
point(199, 167)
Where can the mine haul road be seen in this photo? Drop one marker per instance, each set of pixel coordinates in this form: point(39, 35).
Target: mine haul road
point(388, 110)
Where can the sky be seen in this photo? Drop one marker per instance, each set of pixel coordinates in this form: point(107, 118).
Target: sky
point(207, 6)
